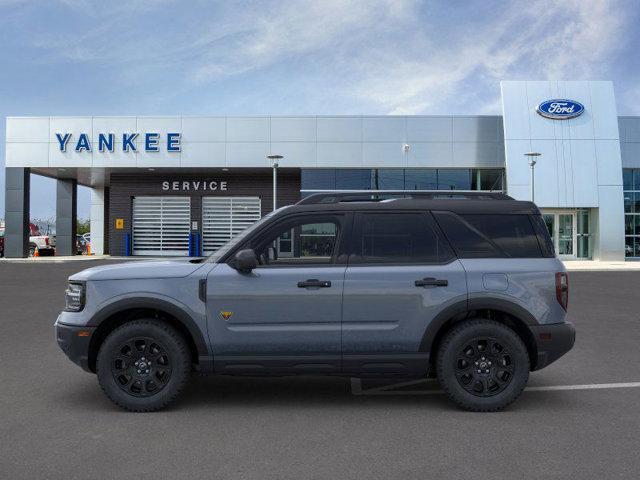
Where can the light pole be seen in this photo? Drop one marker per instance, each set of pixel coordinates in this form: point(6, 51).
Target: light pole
point(532, 163)
point(274, 163)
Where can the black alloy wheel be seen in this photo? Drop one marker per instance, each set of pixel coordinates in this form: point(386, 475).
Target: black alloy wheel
point(482, 365)
point(143, 365)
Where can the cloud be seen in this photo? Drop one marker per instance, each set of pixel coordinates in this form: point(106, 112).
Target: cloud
point(391, 56)
point(541, 40)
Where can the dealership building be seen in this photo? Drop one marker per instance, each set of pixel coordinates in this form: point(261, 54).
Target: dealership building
point(180, 185)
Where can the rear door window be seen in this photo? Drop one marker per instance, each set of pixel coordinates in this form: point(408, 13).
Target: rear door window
point(399, 238)
point(490, 236)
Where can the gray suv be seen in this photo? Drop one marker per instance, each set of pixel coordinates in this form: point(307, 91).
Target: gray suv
point(464, 287)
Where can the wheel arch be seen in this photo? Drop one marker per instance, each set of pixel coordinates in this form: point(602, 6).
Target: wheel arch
point(508, 313)
point(123, 311)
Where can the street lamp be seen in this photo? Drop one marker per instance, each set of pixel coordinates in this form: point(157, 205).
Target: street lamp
point(274, 163)
point(532, 163)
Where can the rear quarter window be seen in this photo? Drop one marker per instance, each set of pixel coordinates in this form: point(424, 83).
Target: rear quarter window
point(490, 235)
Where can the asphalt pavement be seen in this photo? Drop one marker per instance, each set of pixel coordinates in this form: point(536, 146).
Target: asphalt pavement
point(56, 423)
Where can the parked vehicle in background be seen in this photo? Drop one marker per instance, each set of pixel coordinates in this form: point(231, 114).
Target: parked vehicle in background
point(81, 245)
point(465, 287)
point(42, 242)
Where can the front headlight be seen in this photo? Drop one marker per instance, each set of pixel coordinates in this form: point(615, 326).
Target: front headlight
point(74, 297)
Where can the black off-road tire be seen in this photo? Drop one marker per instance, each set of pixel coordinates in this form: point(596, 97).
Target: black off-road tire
point(465, 344)
point(115, 364)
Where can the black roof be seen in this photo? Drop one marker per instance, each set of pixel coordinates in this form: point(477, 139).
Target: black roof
point(457, 202)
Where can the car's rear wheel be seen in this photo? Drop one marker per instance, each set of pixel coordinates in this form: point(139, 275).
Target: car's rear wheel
point(143, 365)
point(482, 365)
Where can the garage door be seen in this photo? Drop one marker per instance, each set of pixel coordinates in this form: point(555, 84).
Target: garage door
point(224, 217)
point(161, 225)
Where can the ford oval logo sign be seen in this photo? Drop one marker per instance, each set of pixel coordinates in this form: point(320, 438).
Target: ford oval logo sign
point(560, 109)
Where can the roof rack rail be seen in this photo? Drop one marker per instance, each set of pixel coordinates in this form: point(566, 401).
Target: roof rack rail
point(381, 195)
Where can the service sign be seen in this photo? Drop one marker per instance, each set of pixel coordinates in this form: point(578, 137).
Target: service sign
point(194, 185)
point(106, 142)
point(560, 109)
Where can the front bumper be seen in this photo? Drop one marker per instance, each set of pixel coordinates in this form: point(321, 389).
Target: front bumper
point(552, 342)
point(74, 342)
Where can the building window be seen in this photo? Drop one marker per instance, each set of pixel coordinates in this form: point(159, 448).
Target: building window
point(353, 179)
point(421, 179)
point(318, 179)
point(631, 182)
point(387, 179)
point(486, 179)
point(454, 179)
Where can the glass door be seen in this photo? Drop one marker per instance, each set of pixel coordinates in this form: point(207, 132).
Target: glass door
point(285, 244)
point(570, 232)
point(566, 232)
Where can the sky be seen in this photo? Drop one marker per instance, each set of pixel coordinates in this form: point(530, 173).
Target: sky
point(160, 57)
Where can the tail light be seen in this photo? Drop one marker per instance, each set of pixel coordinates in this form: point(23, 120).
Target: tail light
point(562, 289)
point(46, 240)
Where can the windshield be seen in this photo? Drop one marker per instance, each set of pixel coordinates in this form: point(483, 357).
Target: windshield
point(239, 238)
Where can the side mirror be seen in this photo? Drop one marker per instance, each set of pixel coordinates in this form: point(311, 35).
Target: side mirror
point(245, 260)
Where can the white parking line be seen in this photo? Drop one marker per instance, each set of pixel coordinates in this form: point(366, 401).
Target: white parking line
point(390, 389)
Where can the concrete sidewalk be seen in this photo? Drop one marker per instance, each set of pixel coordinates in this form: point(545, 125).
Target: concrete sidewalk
point(77, 258)
point(594, 265)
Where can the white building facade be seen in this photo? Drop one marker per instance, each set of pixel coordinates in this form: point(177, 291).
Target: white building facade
point(183, 185)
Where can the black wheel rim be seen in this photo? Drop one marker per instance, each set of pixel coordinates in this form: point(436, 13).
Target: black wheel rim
point(484, 366)
point(141, 367)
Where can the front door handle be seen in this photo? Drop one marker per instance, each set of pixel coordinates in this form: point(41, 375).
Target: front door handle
point(431, 282)
point(312, 282)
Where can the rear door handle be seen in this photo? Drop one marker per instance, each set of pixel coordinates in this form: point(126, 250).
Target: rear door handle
point(431, 282)
point(312, 282)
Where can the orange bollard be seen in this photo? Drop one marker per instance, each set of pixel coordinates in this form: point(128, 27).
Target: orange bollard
point(88, 248)
point(36, 253)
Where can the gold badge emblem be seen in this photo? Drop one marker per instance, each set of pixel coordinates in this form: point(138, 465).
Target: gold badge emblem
point(226, 315)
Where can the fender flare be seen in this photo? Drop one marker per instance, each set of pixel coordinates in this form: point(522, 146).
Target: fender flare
point(460, 310)
point(156, 304)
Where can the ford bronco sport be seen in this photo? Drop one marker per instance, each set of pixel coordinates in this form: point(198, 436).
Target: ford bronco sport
point(462, 286)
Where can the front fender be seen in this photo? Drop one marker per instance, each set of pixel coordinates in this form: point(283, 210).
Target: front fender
point(195, 326)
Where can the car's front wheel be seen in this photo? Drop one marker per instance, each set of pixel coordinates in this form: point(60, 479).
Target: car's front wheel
point(143, 365)
point(482, 365)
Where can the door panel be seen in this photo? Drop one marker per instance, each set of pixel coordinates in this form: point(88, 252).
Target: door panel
point(285, 315)
point(401, 274)
point(269, 317)
point(385, 315)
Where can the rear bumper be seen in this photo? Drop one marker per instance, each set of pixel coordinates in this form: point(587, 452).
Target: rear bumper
point(74, 342)
point(552, 342)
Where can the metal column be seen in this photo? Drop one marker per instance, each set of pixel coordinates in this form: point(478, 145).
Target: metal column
point(66, 214)
point(17, 189)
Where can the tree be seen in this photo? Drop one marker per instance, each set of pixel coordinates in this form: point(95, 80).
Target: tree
point(84, 226)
